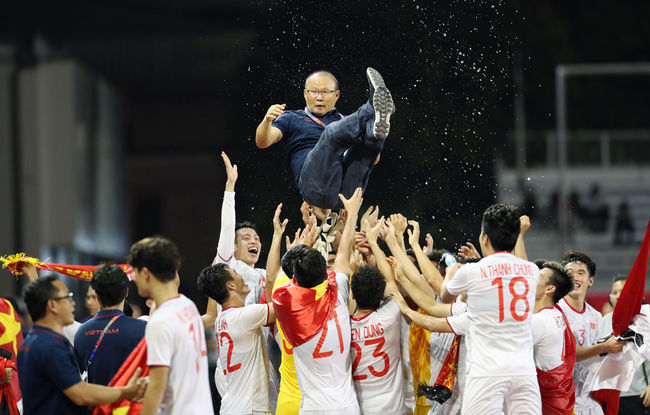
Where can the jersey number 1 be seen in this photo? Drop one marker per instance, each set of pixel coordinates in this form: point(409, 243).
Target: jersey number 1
point(515, 297)
point(317, 354)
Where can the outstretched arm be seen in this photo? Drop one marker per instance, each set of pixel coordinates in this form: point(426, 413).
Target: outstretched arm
point(520, 247)
point(433, 324)
point(273, 259)
point(226, 245)
point(352, 205)
point(407, 266)
point(430, 272)
point(267, 135)
point(382, 263)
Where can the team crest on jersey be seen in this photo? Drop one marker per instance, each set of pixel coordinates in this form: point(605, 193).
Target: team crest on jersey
point(592, 326)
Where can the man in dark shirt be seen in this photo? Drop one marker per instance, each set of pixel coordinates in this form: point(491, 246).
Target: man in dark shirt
point(122, 333)
point(49, 378)
point(330, 154)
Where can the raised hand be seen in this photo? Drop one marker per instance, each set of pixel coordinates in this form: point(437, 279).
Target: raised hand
point(468, 251)
point(279, 225)
point(414, 236)
point(399, 224)
point(353, 204)
point(524, 224)
point(274, 112)
point(371, 216)
point(307, 236)
point(428, 248)
point(375, 231)
point(231, 173)
point(306, 212)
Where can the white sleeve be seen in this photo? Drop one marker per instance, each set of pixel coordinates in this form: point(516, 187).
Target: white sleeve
point(70, 331)
point(459, 324)
point(254, 316)
point(342, 282)
point(459, 282)
point(226, 245)
point(159, 343)
point(458, 308)
point(537, 324)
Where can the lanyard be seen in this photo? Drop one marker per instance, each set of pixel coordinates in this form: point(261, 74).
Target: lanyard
point(101, 336)
point(316, 120)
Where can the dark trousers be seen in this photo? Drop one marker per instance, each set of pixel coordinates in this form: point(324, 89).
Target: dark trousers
point(632, 405)
point(341, 161)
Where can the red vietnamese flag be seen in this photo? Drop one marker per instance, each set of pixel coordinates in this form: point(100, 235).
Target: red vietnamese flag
point(137, 359)
point(11, 337)
point(629, 302)
point(302, 312)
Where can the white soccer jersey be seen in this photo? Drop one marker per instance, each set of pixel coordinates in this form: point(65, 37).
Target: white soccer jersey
point(548, 338)
point(323, 365)
point(176, 339)
point(70, 331)
point(242, 358)
point(376, 366)
point(585, 326)
point(500, 299)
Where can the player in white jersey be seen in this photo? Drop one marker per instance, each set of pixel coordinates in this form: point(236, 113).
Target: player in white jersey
point(500, 291)
point(242, 352)
point(585, 325)
point(376, 367)
point(554, 342)
point(312, 310)
point(239, 244)
point(176, 350)
point(240, 247)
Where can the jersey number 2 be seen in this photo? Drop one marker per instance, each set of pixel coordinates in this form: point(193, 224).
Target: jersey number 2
point(229, 366)
point(379, 341)
point(515, 297)
point(317, 354)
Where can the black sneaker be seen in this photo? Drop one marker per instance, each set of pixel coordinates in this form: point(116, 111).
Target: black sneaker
point(382, 104)
point(374, 81)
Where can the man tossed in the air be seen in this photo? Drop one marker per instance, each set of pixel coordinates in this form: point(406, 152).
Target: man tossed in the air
point(329, 153)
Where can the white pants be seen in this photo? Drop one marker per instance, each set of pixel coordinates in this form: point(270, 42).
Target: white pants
point(502, 394)
point(586, 405)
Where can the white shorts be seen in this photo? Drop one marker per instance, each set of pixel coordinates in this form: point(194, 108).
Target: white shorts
point(586, 405)
point(350, 410)
point(499, 394)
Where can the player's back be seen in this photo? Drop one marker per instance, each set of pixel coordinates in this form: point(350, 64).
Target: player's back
point(175, 338)
point(548, 337)
point(500, 298)
point(242, 358)
point(376, 368)
point(323, 364)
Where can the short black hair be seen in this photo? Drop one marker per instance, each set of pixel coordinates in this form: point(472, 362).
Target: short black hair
point(501, 224)
point(322, 72)
point(290, 257)
point(110, 283)
point(575, 256)
point(561, 279)
point(212, 282)
point(38, 293)
point(540, 262)
point(368, 285)
point(310, 268)
point(158, 254)
point(619, 277)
